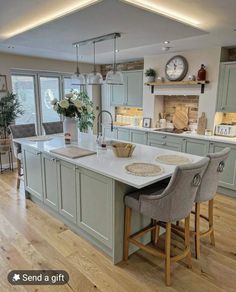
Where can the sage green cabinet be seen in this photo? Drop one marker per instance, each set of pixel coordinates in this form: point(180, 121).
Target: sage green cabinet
point(50, 181)
point(165, 141)
point(33, 172)
point(139, 137)
point(95, 205)
point(195, 146)
point(123, 134)
point(228, 177)
point(107, 133)
point(226, 101)
point(67, 190)
point(131, 92)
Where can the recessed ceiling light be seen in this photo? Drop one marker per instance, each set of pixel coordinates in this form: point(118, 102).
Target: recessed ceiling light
point(165, 48)
point(171, 13)
point(117, 51)
point(47, 17)
point(166, 42)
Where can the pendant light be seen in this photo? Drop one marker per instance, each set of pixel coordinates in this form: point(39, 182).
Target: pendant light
point(94, 77)
point(114, 77)
point(78, 78)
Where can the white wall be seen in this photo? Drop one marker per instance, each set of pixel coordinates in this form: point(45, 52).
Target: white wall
point(207, 101)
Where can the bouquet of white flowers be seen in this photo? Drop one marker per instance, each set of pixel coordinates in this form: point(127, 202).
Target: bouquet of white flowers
point(76, 105)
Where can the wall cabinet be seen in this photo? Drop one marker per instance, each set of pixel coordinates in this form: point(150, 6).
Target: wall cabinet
point(67, 190)
point(50, 181)
point(131, 92)
point(226, 101)
point(139, 137)
point(33, 172)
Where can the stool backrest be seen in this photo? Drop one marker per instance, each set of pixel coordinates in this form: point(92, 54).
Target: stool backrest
point(208, 187)
point(176, 201)
point(21, 131)
point(53, 128)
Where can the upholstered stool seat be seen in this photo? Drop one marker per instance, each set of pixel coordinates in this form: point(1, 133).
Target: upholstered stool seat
point(53, 128)
point(164, 206)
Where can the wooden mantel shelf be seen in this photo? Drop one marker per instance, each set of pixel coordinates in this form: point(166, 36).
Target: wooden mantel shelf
point(173, 83)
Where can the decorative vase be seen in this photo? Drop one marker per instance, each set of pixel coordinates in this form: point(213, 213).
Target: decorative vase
point(201, 75)
point(70, 126)
point(150, 78)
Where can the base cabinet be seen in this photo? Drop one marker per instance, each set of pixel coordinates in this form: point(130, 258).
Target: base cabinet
point(195, 147)
point(228, 177)
point(33, 172)
point(165, 141)
point(95, 205)
point(67, 190)
point(123, 134)
point(50, 181)
point(139, 137)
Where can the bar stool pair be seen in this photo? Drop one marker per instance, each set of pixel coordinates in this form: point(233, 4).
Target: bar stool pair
point(28, 130)
point(192, 183)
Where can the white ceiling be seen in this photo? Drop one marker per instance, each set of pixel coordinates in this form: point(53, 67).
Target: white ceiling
point(143, 31)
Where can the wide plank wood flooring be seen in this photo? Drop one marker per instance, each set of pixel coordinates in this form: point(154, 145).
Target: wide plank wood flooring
point(32, 239)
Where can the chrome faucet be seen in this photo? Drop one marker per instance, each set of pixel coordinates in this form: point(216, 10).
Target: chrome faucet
point(99, 123)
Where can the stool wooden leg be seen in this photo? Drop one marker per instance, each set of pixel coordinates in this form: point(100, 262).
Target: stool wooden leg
point(187, 240)
point(18, 173)
point(197, 230)
point(210, 216)
point(157, 234)
point(167, 254)
point(128, 214)
point(153, 232)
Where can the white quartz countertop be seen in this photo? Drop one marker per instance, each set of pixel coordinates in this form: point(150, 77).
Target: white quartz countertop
point(185, 134)
point(105, 162)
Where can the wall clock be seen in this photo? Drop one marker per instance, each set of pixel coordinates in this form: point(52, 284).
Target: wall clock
point(176, 68)
point(3, 83)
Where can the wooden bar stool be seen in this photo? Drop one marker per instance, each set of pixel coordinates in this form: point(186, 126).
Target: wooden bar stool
point(20, 131)
point(206, 193)
point(164, 206)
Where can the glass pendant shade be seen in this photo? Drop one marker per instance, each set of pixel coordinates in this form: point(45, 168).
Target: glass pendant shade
point(114, 78)
point(94, 78)
point(77, 77)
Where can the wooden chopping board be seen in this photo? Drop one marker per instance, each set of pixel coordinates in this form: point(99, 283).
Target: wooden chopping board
point(180, 117)
point(202, 123)
point(73, 152)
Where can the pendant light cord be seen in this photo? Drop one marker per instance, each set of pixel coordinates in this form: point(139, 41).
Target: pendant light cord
point(77, 59)
point(114, 61)
point(94, 60)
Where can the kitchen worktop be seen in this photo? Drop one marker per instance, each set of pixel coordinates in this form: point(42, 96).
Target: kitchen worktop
point(105, 162)
point(184, 134)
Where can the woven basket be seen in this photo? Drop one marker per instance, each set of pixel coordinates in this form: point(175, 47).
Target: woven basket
point(123, 149)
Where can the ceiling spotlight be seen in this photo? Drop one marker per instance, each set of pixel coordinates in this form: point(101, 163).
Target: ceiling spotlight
point(117, 51)
point(166, 42)
point(165, 49)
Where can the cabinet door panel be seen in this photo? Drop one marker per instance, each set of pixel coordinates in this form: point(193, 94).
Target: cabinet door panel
point(196, 147)
point(50, 182)
point(228, 177)
point(118, 94)
point(33, 173)
point(67, 191)
point(123, 134)
point(95, 205)
point(139, 137)
point(135, 89)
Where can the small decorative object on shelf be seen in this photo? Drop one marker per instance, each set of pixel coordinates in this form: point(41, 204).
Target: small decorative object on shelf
point(201, 75)
point(77, 109)
point(3, 83)
point(191, 77)
point(150, 74)
point(147, 122)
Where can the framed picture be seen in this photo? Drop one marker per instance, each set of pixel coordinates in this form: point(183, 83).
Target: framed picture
point(147, 122)
point(3, 83)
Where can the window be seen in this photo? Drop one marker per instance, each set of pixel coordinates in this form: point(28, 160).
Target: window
point(35, 91)
point(24, 87)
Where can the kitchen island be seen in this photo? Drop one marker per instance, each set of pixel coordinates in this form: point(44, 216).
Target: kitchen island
point(87, 193)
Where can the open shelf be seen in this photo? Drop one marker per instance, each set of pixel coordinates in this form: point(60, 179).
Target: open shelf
point(174, 83)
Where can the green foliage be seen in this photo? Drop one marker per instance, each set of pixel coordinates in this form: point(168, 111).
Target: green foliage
point(10, 109)
point(150, 72)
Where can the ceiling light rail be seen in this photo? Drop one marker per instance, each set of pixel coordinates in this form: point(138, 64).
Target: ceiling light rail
point(98, 39)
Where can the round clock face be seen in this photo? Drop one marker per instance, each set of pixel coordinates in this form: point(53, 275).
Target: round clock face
point(176, 68)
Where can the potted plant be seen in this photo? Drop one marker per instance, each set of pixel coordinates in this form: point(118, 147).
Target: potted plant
point(150, 74)
point(77, 109)
point(10, 109)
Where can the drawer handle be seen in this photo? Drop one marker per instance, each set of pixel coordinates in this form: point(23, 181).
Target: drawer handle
point(163, 143)
point(53, 159)
point(38, 153)
point(163, 137)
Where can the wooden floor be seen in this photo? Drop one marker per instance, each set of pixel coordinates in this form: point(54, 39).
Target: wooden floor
point(32, 239)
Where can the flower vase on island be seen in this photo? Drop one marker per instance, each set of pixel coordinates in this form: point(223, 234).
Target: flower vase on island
point(77, 110)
